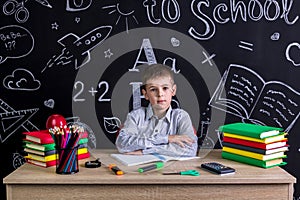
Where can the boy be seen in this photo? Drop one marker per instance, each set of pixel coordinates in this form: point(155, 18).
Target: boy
point(158, 128)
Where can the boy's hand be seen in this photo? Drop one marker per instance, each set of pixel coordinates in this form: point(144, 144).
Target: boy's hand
point(181, 140)
point(138, 152)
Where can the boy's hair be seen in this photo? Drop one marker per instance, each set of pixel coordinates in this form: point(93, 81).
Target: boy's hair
point(157, 70)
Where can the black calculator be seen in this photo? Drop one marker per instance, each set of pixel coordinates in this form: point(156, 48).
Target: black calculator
point(217, 168)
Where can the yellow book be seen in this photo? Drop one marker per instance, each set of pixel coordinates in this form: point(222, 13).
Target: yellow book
point(254, 155)
point(41, 158)
point(265, 140)
point(53, 156)
point(82, 151)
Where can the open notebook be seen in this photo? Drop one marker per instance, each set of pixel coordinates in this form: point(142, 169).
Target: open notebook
point(132, 160)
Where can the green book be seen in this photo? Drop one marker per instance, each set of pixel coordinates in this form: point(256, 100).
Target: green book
point(39, 147)
point(251, 130)
point(252, 161)
point(48, 147)
point(83, 141)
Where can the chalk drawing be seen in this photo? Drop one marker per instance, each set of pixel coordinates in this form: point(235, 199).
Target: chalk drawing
point(11, 120)
point(76, 50)
point(21, 79)
point(121, 14)
point(17, 42)
point(244, 93)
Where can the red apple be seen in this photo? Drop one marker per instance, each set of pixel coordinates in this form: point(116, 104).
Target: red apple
point(55, 120)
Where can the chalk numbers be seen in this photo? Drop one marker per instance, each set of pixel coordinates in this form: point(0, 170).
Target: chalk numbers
point(106, 87)
point(79, 90)
point(79, 87)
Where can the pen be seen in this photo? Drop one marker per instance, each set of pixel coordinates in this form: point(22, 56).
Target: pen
point(157, 165)
point(115, 169)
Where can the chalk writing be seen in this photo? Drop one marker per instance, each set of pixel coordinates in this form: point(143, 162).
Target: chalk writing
point(166, 7)
point(147, 50)
point(295, 46)
point(172, 63)
point(17, 42)
point(79, 89)
point(237, 9)
point(149, 53)
point(93, 91)
point(106, 88)
point(80, 85)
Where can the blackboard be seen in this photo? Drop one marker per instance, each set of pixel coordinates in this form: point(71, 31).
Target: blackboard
point(233, 61)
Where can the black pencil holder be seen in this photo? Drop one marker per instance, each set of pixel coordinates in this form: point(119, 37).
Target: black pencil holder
point(67, 160)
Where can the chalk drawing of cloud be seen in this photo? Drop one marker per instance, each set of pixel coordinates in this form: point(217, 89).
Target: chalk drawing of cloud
point(21, 79)
point(292, 53)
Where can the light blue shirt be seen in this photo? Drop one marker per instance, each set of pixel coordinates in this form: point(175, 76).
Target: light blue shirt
point(144, 131)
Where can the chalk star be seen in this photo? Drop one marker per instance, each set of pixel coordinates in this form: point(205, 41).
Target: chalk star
point(93, 91)
point(54, 26)
point(107, 53)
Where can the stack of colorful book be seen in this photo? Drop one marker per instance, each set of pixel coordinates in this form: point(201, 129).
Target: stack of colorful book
point(40, 148)
point(262, 146)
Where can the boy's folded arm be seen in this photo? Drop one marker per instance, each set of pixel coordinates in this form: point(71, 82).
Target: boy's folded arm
point(127, 142)
point(173, 149)
point(181, 140)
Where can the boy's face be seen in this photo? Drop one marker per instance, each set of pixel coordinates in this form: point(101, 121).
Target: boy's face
point(159, 92)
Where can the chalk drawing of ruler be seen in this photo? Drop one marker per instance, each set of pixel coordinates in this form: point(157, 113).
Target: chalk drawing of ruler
point(11, 120)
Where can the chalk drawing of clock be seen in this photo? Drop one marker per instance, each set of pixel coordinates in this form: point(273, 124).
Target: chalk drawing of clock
point(115, 75)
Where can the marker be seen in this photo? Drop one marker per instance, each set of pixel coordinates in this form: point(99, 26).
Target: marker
point(115, 169)
point(157, 165)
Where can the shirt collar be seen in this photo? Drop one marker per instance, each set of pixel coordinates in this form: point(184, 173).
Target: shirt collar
point(150, 113)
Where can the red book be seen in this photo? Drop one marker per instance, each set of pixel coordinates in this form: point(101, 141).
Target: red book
point(83, 156)
point(84, 135)
point(40, 137)
point(256, 144)
point(44, 137)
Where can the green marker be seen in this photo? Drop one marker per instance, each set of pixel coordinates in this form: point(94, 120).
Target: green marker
point(157, 165)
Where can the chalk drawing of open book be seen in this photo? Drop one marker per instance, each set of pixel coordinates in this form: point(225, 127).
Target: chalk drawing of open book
point(244, 93)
